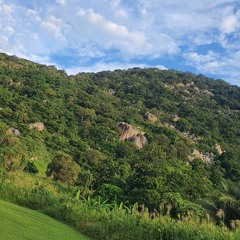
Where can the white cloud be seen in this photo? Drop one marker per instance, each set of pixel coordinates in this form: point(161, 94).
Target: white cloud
point(103, 66)
point(37, 58)
point(54, 26)
point(121, 13)
point(206, 63)
point(110, 28)
point(5, 9)
point(115, 3)
point(8, 31)
point(161, 67)
point(226, 66)
point(118, 9)
point(4, 42)
point(111, 35)
point(89, 51)
point(61, 2)
point(230, 24)
point(197, 58)
point(230, 21)
point(33, 15)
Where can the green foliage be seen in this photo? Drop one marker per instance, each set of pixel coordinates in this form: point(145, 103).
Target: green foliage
point(229, 161)
point(110, 192)
point(30, 167)
point(85, 179)
point(100, 220)
point(63, 168)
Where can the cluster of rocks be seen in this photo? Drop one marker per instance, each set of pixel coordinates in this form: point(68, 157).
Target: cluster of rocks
point(39, 126)
point(133, 134)
point(190, 136)
point(166, 124)
point(151, 117)
point(205, 157)
point(13, 131)
point(190, 91)
point(178, 85)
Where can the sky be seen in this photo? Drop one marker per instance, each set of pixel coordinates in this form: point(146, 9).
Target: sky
point(202, 37)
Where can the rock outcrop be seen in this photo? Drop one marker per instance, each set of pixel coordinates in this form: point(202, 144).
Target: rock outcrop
point(175, 117)
point(151, 117)
point(139, 140)
point(39, 126)
point(13, 131)
point(132, 134)
point(219, 149)
point(205, 157)
point(111, 92)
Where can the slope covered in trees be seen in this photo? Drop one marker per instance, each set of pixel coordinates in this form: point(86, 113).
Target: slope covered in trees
point(65, 129)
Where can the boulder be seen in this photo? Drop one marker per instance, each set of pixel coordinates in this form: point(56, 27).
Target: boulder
point(139, 140)
point(39, 126)
point(180, 85)
point(218, 148)
point(128, 131)
point(132, 134)
point(175, 117)
point(13, 131)
point(151, 117)
point(111, 92)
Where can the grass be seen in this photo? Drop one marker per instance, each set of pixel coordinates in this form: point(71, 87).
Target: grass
point(99, 220)
point(24, 224)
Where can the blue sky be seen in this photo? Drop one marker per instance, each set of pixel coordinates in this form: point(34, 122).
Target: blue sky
point(79, 35)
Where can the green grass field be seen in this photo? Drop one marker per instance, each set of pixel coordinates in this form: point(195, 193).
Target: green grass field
point(18, 223)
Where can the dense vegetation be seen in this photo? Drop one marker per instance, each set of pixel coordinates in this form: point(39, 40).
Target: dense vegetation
point(59, 142)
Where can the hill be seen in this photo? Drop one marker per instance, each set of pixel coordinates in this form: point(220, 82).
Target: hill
point(165, 139)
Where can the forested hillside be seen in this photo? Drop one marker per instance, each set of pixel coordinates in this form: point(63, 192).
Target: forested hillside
point(164, 139)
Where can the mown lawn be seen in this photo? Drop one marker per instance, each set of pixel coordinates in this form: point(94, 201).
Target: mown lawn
point(24, 224)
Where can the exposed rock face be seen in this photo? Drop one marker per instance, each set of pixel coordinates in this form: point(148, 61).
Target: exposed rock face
point(169, 125)
point(39, 126)
point(139, 140)
point(13, 131)
point(175, 118)
point(111, 92)
point(189, 84)
point(190, 136)
point(132, 134)
point(128, 131)
point(151, 117)
point(219, 150)
point(205, 157)
point(180, 85)
point(208, 92)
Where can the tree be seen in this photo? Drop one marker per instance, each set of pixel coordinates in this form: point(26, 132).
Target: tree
point(110, 192)
point(228, 201)
point(63, 168)
point(31, 167)
point(85, 179)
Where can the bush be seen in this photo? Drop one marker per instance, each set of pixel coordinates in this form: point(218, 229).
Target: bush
point(63, 168)
point(30, 167)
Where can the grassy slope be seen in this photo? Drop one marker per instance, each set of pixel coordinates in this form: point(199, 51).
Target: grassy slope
point(23, 224)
